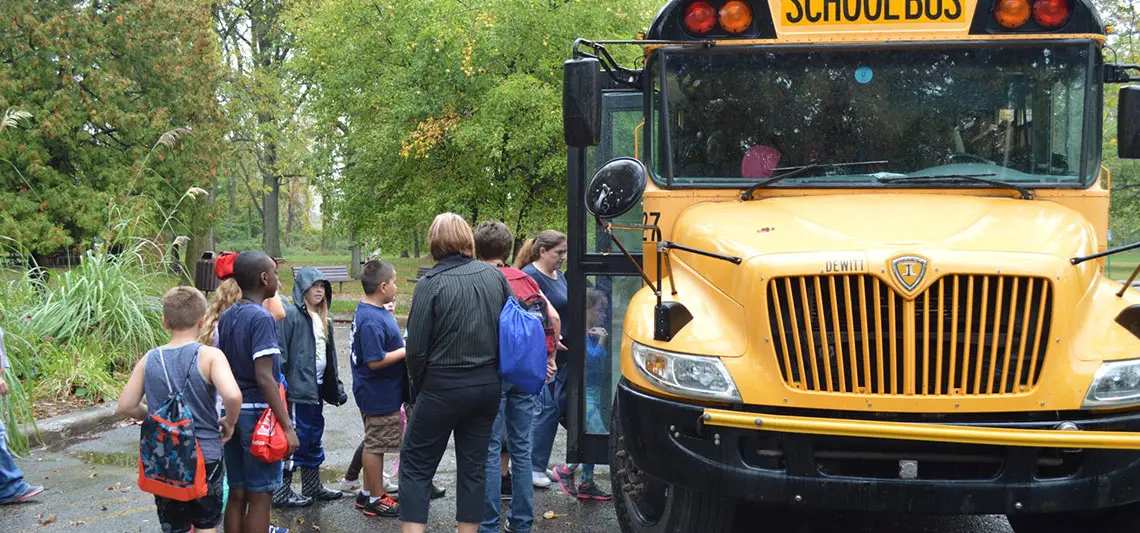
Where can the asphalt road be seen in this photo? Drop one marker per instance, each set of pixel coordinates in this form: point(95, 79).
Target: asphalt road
point(91, 487)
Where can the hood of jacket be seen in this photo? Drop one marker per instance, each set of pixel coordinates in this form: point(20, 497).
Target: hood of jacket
point(306, 278)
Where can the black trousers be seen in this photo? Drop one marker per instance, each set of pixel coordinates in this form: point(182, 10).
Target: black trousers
point(470, 413)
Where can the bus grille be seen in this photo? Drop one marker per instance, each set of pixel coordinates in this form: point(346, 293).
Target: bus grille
point(965, 335)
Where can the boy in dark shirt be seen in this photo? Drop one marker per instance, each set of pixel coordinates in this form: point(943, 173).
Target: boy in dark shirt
point(247, 334)
point(379, 383)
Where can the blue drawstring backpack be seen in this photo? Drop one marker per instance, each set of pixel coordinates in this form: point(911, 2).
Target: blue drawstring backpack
point(522, 348)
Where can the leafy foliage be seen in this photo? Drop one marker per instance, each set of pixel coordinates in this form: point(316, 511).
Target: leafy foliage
point(437, 105)
point(96, 82)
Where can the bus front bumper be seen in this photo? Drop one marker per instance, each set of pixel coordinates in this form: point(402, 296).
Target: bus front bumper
point(981, 467)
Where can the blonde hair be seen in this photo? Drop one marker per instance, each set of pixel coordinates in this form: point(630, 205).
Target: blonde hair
point(227, 295)
point(450, 234)
point(323, 309)
point(546, 239)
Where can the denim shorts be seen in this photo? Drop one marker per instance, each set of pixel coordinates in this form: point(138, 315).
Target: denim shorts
point(243, 470)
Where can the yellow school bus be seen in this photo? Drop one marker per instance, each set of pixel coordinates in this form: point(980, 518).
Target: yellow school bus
point(848, 255)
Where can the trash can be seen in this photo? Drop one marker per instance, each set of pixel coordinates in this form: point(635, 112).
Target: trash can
point(205, 279)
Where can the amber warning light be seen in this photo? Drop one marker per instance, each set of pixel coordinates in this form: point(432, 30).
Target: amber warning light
point(735, 16)
point(1013, 14)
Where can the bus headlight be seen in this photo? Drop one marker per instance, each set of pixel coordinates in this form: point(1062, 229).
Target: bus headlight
point(1117, 384)
point(687, 375)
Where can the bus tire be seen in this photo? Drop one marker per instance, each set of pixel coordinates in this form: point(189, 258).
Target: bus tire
point(1123, 519)
point(670, 508)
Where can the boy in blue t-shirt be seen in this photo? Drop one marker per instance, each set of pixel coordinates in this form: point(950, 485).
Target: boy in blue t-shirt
point(247, 334)
point(379, 382)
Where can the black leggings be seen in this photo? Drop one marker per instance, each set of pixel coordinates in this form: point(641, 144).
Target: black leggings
point(353, 472)
point(468, 411)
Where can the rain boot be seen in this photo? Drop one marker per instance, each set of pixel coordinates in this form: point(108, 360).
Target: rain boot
point(311, 486)
point(285, 497)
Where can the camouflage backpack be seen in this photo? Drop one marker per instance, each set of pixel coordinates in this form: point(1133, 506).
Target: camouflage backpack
point(170, 461)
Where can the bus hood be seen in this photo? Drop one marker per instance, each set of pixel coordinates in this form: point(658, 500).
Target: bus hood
point(867, 233)
point(865, 222)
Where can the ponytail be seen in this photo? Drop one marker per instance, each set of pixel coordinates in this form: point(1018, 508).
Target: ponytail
point(532, 248)
point(526, 255)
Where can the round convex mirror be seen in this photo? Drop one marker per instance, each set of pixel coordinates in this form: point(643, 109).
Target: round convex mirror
point(616, 188)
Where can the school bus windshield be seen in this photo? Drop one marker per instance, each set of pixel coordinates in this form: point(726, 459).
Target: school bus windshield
point(1016, 114)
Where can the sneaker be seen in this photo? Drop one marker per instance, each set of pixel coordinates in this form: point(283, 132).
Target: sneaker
point(505, 491)
point(437, 491)
point(508, 527)
point(540, 480)
point(29, 493)
point(391, 485)
point(277, 529)
point(385, 506)
point(361, 500)
point(565, 479)
point(590, 491)
point(350, 486)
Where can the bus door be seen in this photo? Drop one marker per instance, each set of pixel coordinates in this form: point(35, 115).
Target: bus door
point(601, 281)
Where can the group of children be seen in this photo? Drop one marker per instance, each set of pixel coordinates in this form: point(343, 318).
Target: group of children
point(231, 367)
point(231, 361)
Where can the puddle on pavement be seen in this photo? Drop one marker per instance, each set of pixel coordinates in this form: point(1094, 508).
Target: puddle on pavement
point(111, 459)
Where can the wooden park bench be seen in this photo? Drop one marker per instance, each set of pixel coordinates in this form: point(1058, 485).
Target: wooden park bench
point(334, 274)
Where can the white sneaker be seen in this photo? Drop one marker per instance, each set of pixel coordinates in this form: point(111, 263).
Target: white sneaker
point(540, 480)
point(390, 485)
point(350, 486)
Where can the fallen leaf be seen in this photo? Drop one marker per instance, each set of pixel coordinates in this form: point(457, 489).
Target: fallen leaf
point(93, 475)
point(77, 523)
point(316, 528)
point(47, 520)
point(103, 508)
point(549, 515)
point(46, 477)
point(300, 521)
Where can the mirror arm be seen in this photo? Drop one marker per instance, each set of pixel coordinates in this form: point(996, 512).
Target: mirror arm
point(1118, 73)
point(609, 231)
point(669, 264)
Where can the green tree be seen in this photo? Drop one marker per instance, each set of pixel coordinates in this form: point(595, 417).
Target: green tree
point(102, 81)
point(437, 105)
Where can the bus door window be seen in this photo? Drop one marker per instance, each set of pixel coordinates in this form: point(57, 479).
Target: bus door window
point(607, 298)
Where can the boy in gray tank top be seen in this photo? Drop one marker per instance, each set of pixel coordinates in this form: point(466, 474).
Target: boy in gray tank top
point(202, 374)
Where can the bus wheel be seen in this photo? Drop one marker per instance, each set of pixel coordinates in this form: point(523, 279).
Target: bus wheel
point(648, 505)
point(1114, 520)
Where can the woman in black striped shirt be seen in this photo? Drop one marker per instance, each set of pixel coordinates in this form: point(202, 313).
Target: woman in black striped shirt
point(453, 354)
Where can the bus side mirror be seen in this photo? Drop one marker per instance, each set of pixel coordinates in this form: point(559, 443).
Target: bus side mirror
point(1128, 123)
point(616, 188)
point(582, 102)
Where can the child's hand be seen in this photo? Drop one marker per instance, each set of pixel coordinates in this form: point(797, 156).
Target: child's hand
point(3, 387)
point(227, 429)
point(551, 368)
point(599, 332)
point(294, 443)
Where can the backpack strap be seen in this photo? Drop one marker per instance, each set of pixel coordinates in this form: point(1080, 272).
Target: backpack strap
point(189, 369)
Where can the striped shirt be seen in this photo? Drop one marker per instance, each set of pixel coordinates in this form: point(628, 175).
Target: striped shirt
point(454, 321)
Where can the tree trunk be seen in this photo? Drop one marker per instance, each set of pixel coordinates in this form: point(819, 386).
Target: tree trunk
point(271, 222)
point(354, 267)
point(416, 242)
point(232, 188)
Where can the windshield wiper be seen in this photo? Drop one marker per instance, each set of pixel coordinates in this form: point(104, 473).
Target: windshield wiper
point(800, 171)
point(1026, 194)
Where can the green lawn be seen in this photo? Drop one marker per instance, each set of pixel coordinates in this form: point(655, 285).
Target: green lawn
point(1120, 266)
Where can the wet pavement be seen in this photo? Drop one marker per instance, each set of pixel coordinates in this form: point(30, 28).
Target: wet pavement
point(91, 487)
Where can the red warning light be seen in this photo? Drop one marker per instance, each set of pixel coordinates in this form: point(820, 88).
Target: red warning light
point(1051, 13)
point(700, 18)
